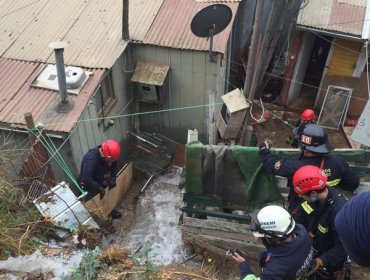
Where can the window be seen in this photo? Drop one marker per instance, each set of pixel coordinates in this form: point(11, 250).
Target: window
point(104, 96)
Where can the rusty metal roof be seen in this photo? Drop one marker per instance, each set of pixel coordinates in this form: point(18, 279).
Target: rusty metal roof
point(344, 16)
point(150, 73)
point(92, 29)
point(171, 27)
point(141, 16)
point(18, 97)
point(216, 1)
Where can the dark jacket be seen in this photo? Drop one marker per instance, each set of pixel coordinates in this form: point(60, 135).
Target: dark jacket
point(289, 260)
point(95, 173)
point(319, 221)
point(353, 226)
point(335, 167)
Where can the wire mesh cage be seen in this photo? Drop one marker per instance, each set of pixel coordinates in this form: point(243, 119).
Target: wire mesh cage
point(152, 152)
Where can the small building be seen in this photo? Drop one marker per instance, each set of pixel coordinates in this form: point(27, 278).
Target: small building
point(192, 79)
point(229, 119)
point(329, 52)
point(93, 33)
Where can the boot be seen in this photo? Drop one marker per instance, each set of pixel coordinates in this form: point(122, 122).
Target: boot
point(115, 214)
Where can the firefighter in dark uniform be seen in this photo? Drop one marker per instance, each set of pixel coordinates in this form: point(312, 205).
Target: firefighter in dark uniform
point(315, 150)
point(99, 170)
point(353, 226)
point(307, 116)
point(289, 252)
point(317, 213)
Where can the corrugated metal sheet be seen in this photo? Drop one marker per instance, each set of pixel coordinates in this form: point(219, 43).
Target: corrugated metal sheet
point(334, 15)
point(343, 60)
point(91, 28)
point(36, 166)
point(141, 16)
point(19, 98)
point(361, 3)
point(216, 1)
point(150, 73)
point(171, 27)
point(61, 207)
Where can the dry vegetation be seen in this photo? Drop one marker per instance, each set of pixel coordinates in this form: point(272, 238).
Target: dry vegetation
point(19, 219)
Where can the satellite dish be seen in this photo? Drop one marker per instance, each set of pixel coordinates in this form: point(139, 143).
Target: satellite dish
point(210, 21)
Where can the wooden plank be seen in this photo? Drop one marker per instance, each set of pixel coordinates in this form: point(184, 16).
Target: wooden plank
point(348, 130)
point(223, 215)
point(219, 246)
point(102, 207)
point(216, 224)
point(351, 155)
point(218, 233)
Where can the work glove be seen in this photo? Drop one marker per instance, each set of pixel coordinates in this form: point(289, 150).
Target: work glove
point(102, 193)
point(317, 264)
point(265, 146)
point(112, 184)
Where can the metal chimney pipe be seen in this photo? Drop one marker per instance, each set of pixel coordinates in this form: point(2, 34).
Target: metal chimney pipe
point(125, 26)
point(59, 60)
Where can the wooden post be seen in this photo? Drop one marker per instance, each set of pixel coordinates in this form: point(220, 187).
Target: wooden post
point(125, 20)
point(270, 39)
point(250, 66)
point(30, 125)
point(212, 130)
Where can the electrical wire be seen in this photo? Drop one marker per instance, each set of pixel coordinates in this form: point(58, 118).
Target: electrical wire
point(367, 68)
point(134, 114)
point(50, 147)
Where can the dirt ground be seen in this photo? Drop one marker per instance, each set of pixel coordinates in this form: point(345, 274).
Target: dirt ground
point(279, 126)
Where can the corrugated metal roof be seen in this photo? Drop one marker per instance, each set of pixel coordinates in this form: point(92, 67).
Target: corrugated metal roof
point(216, 1)
point(141, 16)
point(92, 29)
point(345, 16)
point(171, 27)
point(361, 3)
point(18, 97)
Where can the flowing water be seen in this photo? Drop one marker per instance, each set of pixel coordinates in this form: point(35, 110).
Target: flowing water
point(38, 263)
point(156, 228)
point(157, 217)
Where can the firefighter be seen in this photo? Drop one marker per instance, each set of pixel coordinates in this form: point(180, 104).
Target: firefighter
point(317, 213)
point(315, 150)
point(353, 227)
point(289, 252)
point(307, 116)
point(99, 170)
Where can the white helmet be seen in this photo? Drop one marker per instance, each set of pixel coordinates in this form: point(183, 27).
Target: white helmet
point(272, 221)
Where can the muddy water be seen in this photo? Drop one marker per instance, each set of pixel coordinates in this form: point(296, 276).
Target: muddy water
point(157, 216)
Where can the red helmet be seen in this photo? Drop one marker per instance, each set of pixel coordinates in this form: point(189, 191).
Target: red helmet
point(308, 115)
point(309, 178)
point(111, 150)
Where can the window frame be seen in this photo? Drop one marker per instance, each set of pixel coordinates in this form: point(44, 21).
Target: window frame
point(106, 105)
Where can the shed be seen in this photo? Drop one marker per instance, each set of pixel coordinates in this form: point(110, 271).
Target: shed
point(230, 118)
point(328, 51)
point(194, 84)
point(149, 78)
point(93, 30)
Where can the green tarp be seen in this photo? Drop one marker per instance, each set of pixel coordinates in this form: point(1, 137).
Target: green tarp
point(233, 174)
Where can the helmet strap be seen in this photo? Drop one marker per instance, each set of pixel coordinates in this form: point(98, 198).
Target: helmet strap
point(302, 149)
point(272, 242)
point(313, 198)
